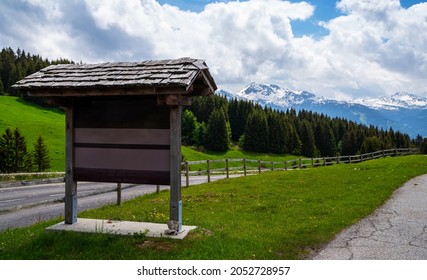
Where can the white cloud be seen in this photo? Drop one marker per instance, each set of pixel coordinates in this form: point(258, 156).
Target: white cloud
point(236, 38)
point(374, 48)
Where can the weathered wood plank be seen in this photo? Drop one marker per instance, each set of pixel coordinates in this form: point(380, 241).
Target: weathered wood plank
point(175, 223)
point(70, 185)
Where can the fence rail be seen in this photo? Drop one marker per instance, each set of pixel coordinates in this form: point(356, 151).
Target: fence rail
point(248, 166)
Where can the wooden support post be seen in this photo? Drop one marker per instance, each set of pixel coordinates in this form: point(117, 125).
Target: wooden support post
point(208, 162)
point(119, 194)
point(300, 163)
point(286, 166)
point(70, 185)
point(175, 222)
point(227, 168)
point(259, 166)
point(187, 174)
point(158, 189)
point(244, 166)
point(272, 166)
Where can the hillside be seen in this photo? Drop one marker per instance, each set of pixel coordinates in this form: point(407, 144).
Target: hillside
point(33, 121)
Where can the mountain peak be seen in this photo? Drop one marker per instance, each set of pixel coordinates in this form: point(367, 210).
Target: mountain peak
point(399, 100)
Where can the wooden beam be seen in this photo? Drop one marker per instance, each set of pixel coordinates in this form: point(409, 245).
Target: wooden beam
point(174, 100)
point(81, 92)
point(175, 222)
point(70, 185)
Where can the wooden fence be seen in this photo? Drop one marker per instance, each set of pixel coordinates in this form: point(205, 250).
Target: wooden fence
point(247, 166)
point(251, 166)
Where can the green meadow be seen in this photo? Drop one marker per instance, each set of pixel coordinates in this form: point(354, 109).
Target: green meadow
point(33, 121)
point(275, 215)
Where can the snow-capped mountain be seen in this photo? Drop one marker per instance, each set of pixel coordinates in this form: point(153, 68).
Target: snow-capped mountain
point(402, 111)
point(273, 95)
point(400, 100)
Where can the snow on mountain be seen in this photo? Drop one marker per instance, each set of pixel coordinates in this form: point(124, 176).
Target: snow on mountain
point(400, 100)
point(273, 95)
point(401, 111)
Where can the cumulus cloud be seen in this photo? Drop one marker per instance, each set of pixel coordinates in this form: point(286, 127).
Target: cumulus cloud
point(373, 48)
point(378, 45)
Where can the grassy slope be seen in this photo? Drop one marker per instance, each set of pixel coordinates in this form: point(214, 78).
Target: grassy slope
point(191, 154)
point(276, 215)
point(33, 121)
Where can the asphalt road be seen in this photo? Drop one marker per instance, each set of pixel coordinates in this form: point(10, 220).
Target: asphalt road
point(395, 231)
point(26, 205)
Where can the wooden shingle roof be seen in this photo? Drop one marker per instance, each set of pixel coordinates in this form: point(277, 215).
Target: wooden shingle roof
point(174, 76)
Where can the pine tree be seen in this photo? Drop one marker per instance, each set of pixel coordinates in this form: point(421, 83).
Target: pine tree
point(6, 151)
point(423, 147)
point(371, 144)
point(13, 152)
point(1, 88)
point(41, 155)
point(349, 146)
point(256, 132)
point(200, 134)
point(218, 133)
point(188, 126)
point(277, 133)
point(295, 145)
point(307, 139)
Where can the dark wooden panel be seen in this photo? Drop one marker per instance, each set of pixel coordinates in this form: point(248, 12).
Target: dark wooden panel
point(121, 112)
point(122, 176)
point(122, 136)
point(126, 159)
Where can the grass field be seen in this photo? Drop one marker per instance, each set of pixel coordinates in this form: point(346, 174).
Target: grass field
point(276, 215)
point(33, 121)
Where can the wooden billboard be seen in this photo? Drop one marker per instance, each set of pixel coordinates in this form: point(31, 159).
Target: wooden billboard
point(123, 140)
point(123, 121)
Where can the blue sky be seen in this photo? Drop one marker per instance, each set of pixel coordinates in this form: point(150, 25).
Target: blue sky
point(325, 10)
point(342, 49)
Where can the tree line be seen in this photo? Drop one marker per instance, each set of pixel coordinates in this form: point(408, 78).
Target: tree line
point(217, 123)
point(15, 157)
point(15, 66)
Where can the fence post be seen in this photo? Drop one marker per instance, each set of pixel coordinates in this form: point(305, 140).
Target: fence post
point(244, 166)
point(259, 166)
point(300, 163)
point(324, 161)
point(119, 194)
point(286, 165)
point(226, 168)
point(272, 166)
point(209, 170)
point(187, 174)
point(396, 152)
